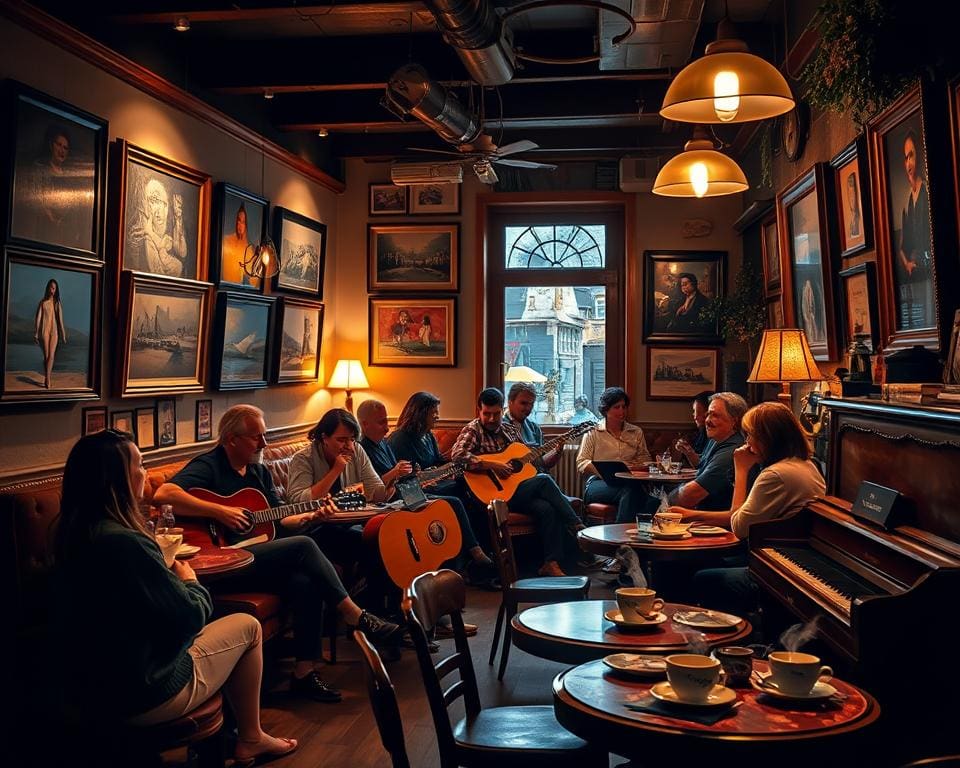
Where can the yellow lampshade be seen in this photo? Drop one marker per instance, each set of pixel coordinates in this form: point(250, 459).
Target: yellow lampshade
point(784, 356)
point(700, 171)
point(348, 374)
point(524, 373)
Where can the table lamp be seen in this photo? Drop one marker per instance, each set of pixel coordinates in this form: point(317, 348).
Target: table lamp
point(784, 357)
point(524, 373)
point(348, 375)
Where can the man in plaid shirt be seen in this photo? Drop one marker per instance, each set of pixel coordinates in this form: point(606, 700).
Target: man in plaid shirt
point(539, 497)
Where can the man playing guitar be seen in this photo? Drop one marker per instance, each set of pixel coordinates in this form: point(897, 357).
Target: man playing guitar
point(293, 566)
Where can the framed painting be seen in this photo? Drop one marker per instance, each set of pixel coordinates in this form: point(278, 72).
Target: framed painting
point(50, 327)
point(438, 199)
point(300, 331)
point(239, 224)
point(414, 257)
point(94, 420)
point(771, 257)
point(166, 421)
point(164, 214)
point(853, 198)
point(804, 245)
point(681, 373)
point(57, 174)
point(303, 248)
point(904, 203)
point(387, 200)
point(204, 421)
point(678, 286)
point(775, 313)
point(122, 421)
point(241, 352)
point(146, 428)
point(163, 336)
point(951, 374)
point(413, 332)
point(858, 286)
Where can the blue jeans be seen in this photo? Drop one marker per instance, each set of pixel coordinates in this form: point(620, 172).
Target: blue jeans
point(629, 498)
point(542, 499)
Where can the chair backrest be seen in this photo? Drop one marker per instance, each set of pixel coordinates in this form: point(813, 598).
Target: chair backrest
point(497, 514)
point(430, 597)
point(383, 700)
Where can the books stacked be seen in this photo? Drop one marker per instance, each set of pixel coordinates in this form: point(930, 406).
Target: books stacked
point(949, 395)
point(917, 394)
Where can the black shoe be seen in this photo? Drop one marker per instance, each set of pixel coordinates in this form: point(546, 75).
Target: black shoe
point(482, 575)
point(314, 688)
point(377, 630)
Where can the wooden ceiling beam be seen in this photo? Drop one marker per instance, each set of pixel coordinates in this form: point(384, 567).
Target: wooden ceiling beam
point(271, 14)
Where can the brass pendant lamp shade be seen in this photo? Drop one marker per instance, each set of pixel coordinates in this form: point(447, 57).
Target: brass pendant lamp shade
point(700, 171)
point(727, 85)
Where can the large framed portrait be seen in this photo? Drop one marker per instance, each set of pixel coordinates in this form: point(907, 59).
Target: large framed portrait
point(303, 252)
point(413, 332)
point(680, 373)
point(163, 337)
point(436, 199)
point(241, 351)
point(904, 203)
point(57, 173)
point(50, 327)
point(771, 257)
point(858, 287)
point(414, 257)
point(164, 214)
point(239, 224)
point(678, 287)
point(388, 200)
point(300, 331)
point(805, 249)
point(853, 206)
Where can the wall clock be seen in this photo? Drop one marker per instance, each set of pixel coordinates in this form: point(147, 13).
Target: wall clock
point(793, 131)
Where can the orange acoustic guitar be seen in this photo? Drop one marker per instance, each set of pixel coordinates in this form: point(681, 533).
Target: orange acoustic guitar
point(487, 486)
point(412, 543)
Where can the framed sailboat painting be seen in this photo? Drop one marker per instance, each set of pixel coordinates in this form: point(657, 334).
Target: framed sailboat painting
point(242, 334)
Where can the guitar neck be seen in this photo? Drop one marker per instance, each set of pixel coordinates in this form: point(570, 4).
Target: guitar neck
point(272, 514)
point(554, 443)
point(436, 475)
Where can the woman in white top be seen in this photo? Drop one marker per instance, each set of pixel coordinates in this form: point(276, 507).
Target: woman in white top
point(614, 440)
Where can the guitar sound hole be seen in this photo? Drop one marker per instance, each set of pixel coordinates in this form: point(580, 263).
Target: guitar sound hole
point(515, 465)
point(437, 532)
point(249, 526)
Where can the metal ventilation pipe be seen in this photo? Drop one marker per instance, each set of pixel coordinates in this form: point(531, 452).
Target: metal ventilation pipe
point(411, 91)
point(483, 43)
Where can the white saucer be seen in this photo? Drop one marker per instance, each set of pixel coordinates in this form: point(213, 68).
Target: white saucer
point(821, 690)
point(187, 550)
point(637, 664)
point(701, 619)
point(708, 530)
point(719, 696)
point(616, 617)
point(672, 536)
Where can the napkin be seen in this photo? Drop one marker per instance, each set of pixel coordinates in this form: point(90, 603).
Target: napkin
point(652, 706)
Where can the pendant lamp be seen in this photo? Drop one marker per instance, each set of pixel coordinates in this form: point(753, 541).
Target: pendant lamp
point(727, 85)
point(700, 171)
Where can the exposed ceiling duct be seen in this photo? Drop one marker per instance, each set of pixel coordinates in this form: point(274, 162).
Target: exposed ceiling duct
point(410, 91)
point(483, 43)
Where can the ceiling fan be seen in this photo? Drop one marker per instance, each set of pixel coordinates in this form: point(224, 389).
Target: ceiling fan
point(482, 154)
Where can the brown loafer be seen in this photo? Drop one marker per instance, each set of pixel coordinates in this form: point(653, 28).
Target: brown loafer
point(551, 568)
point(445, 631)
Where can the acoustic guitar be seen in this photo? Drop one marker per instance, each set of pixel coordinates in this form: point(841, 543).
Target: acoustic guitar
point(412, 543)
point(449, 471)
point(486, 485)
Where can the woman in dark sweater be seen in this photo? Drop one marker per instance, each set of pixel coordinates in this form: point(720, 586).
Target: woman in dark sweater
point(140, 646)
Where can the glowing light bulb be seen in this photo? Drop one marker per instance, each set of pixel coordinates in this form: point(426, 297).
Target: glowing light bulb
point(266, 258)
point(726, 99)
point(698, 179)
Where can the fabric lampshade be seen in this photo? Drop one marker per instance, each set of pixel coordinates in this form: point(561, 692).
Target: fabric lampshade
point(784, 356)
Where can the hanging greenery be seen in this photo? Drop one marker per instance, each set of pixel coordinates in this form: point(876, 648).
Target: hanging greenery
point(742, 314)
point(766, 155)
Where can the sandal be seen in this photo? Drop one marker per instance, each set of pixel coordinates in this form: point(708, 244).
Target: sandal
point(265, 757)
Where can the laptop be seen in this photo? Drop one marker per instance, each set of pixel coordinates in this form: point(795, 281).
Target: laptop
point(412, 494)
point(608, 471)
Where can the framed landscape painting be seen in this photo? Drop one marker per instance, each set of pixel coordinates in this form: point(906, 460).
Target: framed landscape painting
point(242, 346)
point(50, 328)
point(302, 243)
point(438, 199)
point(239, 225)
point(387, 200)
point(680, 373)
point(300, 325)
point(678, 287)
point(414, 257)
point(413, 332)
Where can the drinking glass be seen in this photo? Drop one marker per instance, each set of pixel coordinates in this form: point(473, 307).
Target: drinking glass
point(166, 520)
point(665, 461)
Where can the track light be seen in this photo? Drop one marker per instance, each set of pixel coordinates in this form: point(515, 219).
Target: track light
point(182, 24)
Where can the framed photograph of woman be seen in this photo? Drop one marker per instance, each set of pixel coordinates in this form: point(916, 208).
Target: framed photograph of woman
point(678, 287)
point(771, 257)
point(166, 421)
point(858, 286)
point(239, 225)
point(146, 428)
point(123, 421)
point(388, 200)
point(807, 294)
point(853, 205)
point(413, 332)
point(413, 257)
point(163, 335)
point(204, 421)
point(300, 326)
point(50, 327)
point(436, 199)
point(681, 373)
point(242, 332)
point(164, 213)
point(94, 420)
point(57, 181)
point(303, 251)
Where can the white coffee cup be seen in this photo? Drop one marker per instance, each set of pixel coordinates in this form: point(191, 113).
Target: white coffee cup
point(669, 522)
point(795, 673)
point(169, 543)
point(692, 676)
point(637, 603)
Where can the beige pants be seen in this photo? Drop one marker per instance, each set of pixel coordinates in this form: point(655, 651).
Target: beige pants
point(216, 651)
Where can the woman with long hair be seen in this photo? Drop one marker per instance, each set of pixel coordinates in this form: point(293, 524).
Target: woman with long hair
point(49, 330)
point(413, 438)
point(140, 646)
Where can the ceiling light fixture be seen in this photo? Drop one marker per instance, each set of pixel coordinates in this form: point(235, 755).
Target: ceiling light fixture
point(182, 24)
point(323, 133)
point(727, 85)
point(700, 171)
point(267, 94)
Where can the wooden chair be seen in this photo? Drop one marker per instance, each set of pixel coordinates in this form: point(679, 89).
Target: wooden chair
point(383, 700)
point(508, 737)
point(542, 589)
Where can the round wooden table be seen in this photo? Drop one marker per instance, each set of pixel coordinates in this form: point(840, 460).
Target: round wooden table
point(589, 701)
point(645, 476)
point(607, 539)
point(575, 632)
point(210, 564)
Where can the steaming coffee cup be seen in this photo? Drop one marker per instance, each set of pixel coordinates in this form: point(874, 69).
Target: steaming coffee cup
point(169, 543)
point(692, 676)
point(737, 663)
point(638, 603)
point(669, 522)
point(795, 673)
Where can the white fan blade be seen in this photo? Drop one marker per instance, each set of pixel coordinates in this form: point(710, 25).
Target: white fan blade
point(523, 145)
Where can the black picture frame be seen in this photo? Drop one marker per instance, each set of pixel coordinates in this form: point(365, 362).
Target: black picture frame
point(665, 272)
point(203, 422)
point(166, 422)
point(770, 244)
point(228, 249)
point(242, 340)
point(302, 243)
point(299, 339)
point(851, 183)
point(387, 199)
point(124, 421)
point(56, 167)
point(858, 287)
point(93, 419)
